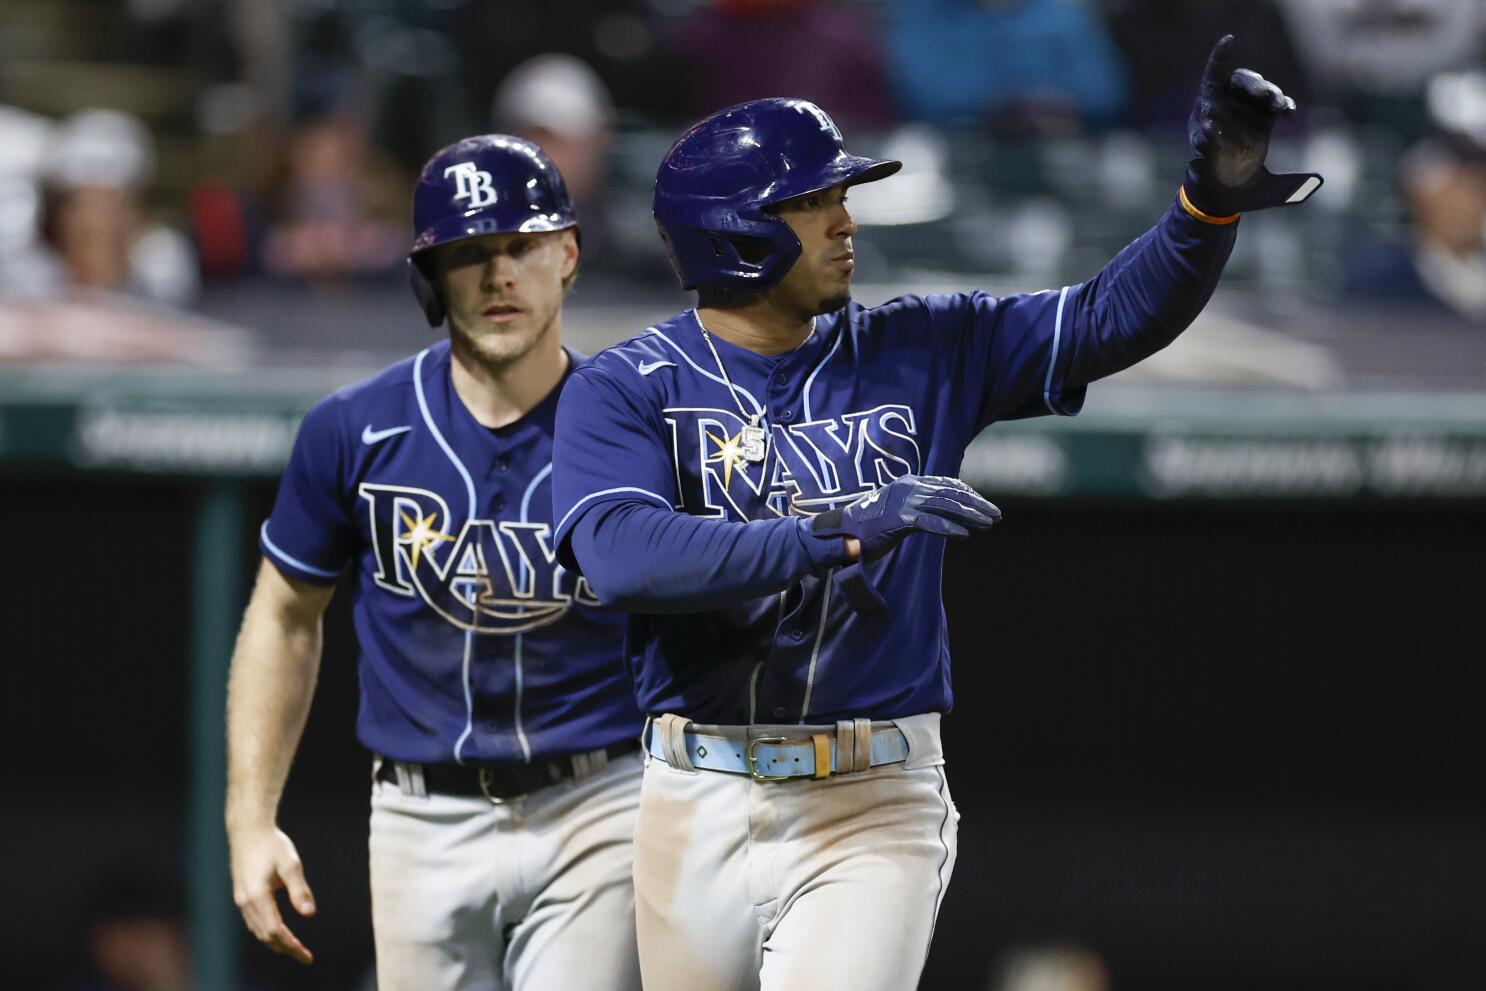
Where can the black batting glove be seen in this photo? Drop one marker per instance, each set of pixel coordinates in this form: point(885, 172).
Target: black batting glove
point(1228, 133)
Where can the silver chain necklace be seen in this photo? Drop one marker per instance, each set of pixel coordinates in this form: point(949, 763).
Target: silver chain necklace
point(753, 439)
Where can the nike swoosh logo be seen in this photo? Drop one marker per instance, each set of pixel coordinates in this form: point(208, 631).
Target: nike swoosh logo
point(646, 367)
point(370, 436)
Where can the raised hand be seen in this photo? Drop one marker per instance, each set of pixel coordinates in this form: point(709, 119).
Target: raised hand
point(1229, 132)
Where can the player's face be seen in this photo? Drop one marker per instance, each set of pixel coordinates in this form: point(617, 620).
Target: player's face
point(504, 291)
point(820, 280)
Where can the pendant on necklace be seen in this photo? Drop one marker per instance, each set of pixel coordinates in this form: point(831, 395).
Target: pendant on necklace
point(753, 441)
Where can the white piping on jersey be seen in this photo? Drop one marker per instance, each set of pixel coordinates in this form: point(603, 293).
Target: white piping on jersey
point(1047, 385)
point(757, 407)
point(469, 487)
point(469, 700)
point(840, 333)
point(604, 492)
point(520, 733)
point(308, 568)
point(531, 488)
point(825, 608)
point(753, 692)
point(753, 678)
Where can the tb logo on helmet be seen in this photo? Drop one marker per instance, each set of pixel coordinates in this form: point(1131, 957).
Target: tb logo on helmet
point(472, 184)
point(826, 124)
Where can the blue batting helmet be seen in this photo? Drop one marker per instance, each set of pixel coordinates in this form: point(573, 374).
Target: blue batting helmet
point(488, 184)
point(716, 184)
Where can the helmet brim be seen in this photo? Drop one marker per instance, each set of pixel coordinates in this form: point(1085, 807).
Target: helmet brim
point(460, 228)
point(848, 170)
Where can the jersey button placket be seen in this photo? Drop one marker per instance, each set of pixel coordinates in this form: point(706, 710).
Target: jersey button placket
point(780, 400)
point(500, 464)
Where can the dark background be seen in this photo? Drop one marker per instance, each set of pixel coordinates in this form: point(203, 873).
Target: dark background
point(1226, 747)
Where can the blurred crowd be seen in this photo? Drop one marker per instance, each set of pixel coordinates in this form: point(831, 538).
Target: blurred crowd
point(162, 148)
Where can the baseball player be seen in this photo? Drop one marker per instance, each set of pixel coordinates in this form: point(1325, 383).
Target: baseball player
point(506, 775)
point(767, 483)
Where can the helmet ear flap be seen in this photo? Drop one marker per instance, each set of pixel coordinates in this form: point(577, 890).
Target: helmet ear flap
point(426, 292)
point(751, 261)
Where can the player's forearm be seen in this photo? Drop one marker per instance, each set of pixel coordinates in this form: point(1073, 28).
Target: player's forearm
point(274, 668)
point(641, 558)
point(1147, 295)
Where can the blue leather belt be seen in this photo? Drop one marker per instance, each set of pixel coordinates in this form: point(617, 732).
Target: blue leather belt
point(809, 752)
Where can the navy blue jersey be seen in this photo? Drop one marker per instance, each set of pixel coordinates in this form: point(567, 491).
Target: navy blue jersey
point(871, 395)
point(476, 645)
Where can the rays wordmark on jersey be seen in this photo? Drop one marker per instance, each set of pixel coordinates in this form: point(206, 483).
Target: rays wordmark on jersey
point(813, 466)
point(492, 576)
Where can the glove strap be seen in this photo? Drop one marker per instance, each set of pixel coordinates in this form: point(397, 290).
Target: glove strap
point(1265, 190)
point(1206, 218)
point(859, 593)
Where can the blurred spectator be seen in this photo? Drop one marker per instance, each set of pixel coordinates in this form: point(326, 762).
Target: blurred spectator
point(340, 210)
point(1443, 182)
point(815, 49)
point(136, 939)
point(560, 103)
point(1375, 47)
point(24, 260)
point(1444, 188)
point(1165, 45)
point(95, 168)
point(1021, 65)
point(24, 141)
point(620, 39)
point(1050, 968)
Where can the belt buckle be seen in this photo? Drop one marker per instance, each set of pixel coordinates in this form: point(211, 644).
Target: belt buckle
point(817, 740)
point(751, 754)
point(485, 779)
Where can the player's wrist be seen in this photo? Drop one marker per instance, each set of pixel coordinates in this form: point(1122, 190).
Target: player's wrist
point(246, 821)
point(827, 545)
point(1202, 207)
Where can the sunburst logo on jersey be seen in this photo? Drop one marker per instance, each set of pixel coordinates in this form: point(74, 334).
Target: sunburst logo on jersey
point(421, 535)
point(729, 452)
point(484, 576)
